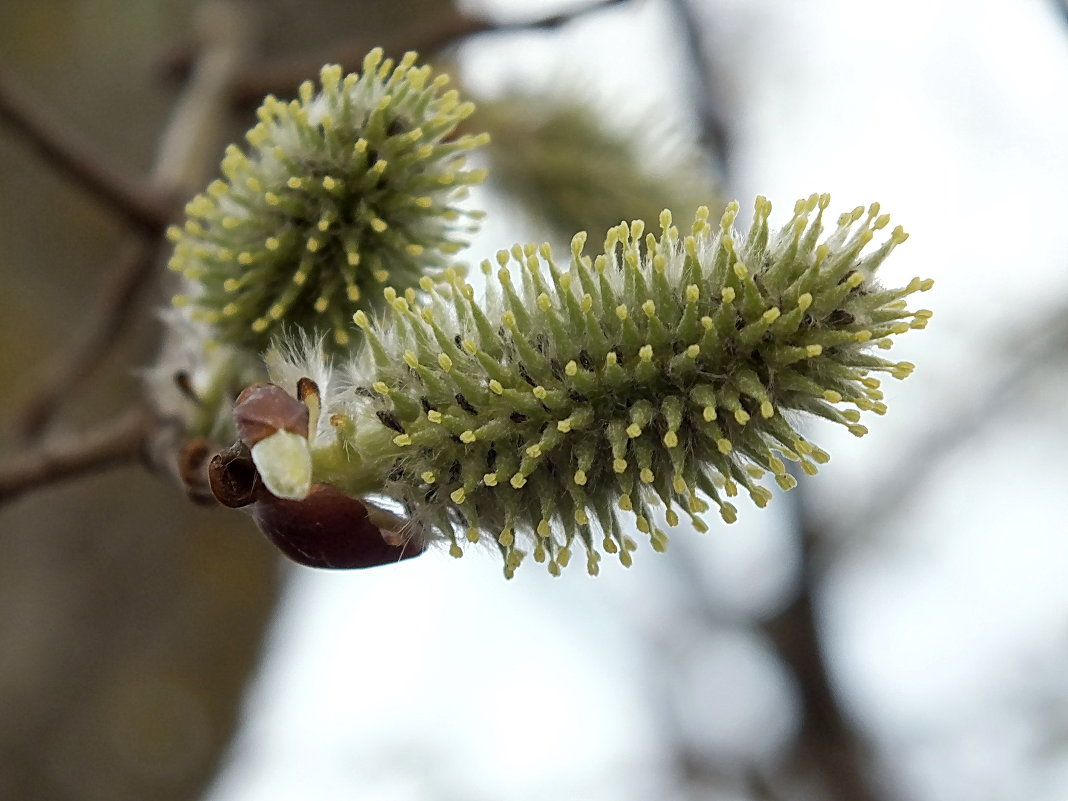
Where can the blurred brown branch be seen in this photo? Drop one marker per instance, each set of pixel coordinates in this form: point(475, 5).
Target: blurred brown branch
point(78, 360)
point(707, 99)
point(827, 745)
point(186, 146)
point(1043, 345)
point(137, 202)
point(118, 441)
point(283, 76)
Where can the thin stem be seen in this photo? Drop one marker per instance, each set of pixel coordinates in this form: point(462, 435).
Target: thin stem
point(118, 441)
point(136, 202)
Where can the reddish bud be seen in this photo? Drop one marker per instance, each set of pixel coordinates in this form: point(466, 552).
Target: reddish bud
point(328, 529)
point(262, 409)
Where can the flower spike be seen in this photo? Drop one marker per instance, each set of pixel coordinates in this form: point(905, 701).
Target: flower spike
point(342, 191)
point(665, 371)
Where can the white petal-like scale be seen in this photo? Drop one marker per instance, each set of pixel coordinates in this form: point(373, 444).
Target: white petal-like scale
point(284, 463)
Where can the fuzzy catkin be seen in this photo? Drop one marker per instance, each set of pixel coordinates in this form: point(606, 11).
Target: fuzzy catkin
point(557, 412)
point(342, 192)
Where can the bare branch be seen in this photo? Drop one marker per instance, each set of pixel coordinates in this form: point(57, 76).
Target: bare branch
point(1030, 354)
point(283, 76)
point(137, 202)
point(119, 441)
point(827, 747)
point(715, 131)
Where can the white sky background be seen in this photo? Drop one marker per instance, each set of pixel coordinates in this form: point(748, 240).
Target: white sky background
point(437, 679)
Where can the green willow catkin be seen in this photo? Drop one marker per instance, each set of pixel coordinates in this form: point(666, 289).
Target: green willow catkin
point(342, 192)
point(556, 413)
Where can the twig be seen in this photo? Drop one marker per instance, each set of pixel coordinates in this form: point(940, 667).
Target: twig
point(284, 76)
point(715, 132)
point(81, 356)
point(118, 441)
point(1032, 352)
point(137, 202)
point(826, 745)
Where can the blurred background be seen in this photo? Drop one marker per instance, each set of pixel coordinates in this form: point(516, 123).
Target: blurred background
point(896, 629)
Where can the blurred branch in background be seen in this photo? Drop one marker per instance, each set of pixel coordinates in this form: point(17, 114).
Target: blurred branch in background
point(1039, 346)
point(710, 107)
point(187, 147)
point(116, 442)
point(1062, 8)
point(828, 747)
point(130, 625)
point(73, 364)
point(426, 36)
point(135, 201)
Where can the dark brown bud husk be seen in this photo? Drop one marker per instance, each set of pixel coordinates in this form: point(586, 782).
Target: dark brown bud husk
point(262, 409)
point(328, 529)
point(233, 477)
